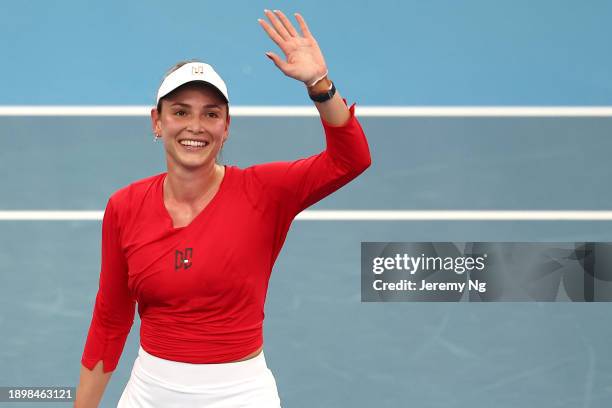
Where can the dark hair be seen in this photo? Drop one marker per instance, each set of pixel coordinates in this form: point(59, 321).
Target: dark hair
point(177, 66)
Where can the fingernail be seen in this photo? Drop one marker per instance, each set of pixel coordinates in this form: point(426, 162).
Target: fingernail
point(276, 11)
point(266, 10)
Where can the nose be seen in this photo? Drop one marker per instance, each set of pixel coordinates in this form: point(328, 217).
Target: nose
point(196, 125)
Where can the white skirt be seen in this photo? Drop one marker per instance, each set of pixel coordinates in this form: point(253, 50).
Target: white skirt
point(156, 382)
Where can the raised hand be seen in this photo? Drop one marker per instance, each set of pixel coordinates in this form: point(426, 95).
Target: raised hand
point(304, 60)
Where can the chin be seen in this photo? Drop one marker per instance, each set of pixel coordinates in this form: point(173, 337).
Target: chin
point(190, 161)
point(195, 164)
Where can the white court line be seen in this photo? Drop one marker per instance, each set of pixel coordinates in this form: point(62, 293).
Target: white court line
point(310, 111)
point(41, 215)
point(356, 215)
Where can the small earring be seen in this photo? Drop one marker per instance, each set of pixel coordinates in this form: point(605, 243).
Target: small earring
point(156, 137)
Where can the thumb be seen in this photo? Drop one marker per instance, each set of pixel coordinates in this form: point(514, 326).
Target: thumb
point(277, 60)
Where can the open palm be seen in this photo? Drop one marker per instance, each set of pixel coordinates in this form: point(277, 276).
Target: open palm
point(304, 60)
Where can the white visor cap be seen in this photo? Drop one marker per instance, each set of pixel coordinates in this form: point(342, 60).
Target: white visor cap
point(192, 71)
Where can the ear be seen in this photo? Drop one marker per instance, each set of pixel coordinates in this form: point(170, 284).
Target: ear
point(227, 125)
point(155, 121)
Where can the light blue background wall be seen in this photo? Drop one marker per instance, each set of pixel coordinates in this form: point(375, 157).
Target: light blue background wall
point(472, 52)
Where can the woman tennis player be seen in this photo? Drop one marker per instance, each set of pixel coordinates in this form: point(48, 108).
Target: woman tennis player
point(195, 246)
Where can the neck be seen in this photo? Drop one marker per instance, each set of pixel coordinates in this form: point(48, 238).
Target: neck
point(187, 186)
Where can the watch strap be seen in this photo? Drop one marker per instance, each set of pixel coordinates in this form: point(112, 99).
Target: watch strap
point(325, 96)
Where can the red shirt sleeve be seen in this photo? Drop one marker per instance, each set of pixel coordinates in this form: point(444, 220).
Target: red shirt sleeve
point(113, 313)
point(302, 183)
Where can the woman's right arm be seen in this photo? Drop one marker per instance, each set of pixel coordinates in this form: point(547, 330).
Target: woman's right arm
point(113, 316)
point(92, 384)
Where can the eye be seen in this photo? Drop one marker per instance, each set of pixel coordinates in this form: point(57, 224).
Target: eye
point(213, 115)
point(180, 113)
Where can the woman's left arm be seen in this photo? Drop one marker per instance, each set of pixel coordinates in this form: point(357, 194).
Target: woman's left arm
point(301, 183)
point(304, 62)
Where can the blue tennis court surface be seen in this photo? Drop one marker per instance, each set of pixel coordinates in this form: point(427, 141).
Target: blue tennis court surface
point(419, 163)
point(326, 348)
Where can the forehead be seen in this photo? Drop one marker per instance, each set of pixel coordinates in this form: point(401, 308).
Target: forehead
point(196, 92)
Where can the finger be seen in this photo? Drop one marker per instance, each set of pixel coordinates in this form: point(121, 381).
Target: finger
point(271, 32)
point(288, 26)
point(282, 65)
point(282, 31)
point(303, 25)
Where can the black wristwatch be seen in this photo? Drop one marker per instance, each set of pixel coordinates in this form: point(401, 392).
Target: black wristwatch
point(325, 96)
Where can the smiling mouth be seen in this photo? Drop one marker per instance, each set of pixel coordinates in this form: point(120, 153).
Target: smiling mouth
point(192, 145)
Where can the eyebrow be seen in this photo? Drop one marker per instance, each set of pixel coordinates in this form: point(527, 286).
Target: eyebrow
point(189, 106)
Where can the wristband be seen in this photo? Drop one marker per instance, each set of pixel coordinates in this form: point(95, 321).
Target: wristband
point(318, 79)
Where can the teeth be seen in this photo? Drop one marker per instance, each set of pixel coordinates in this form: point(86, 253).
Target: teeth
point(194, 143)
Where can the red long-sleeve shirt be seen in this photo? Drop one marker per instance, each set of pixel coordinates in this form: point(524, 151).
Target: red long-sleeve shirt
point(201, 288)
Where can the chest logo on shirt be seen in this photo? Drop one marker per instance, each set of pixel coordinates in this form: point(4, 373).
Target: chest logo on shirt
point(182, 259)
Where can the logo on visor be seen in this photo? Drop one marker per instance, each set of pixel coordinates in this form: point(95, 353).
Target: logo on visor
point(182, 259)
point(197, 70)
